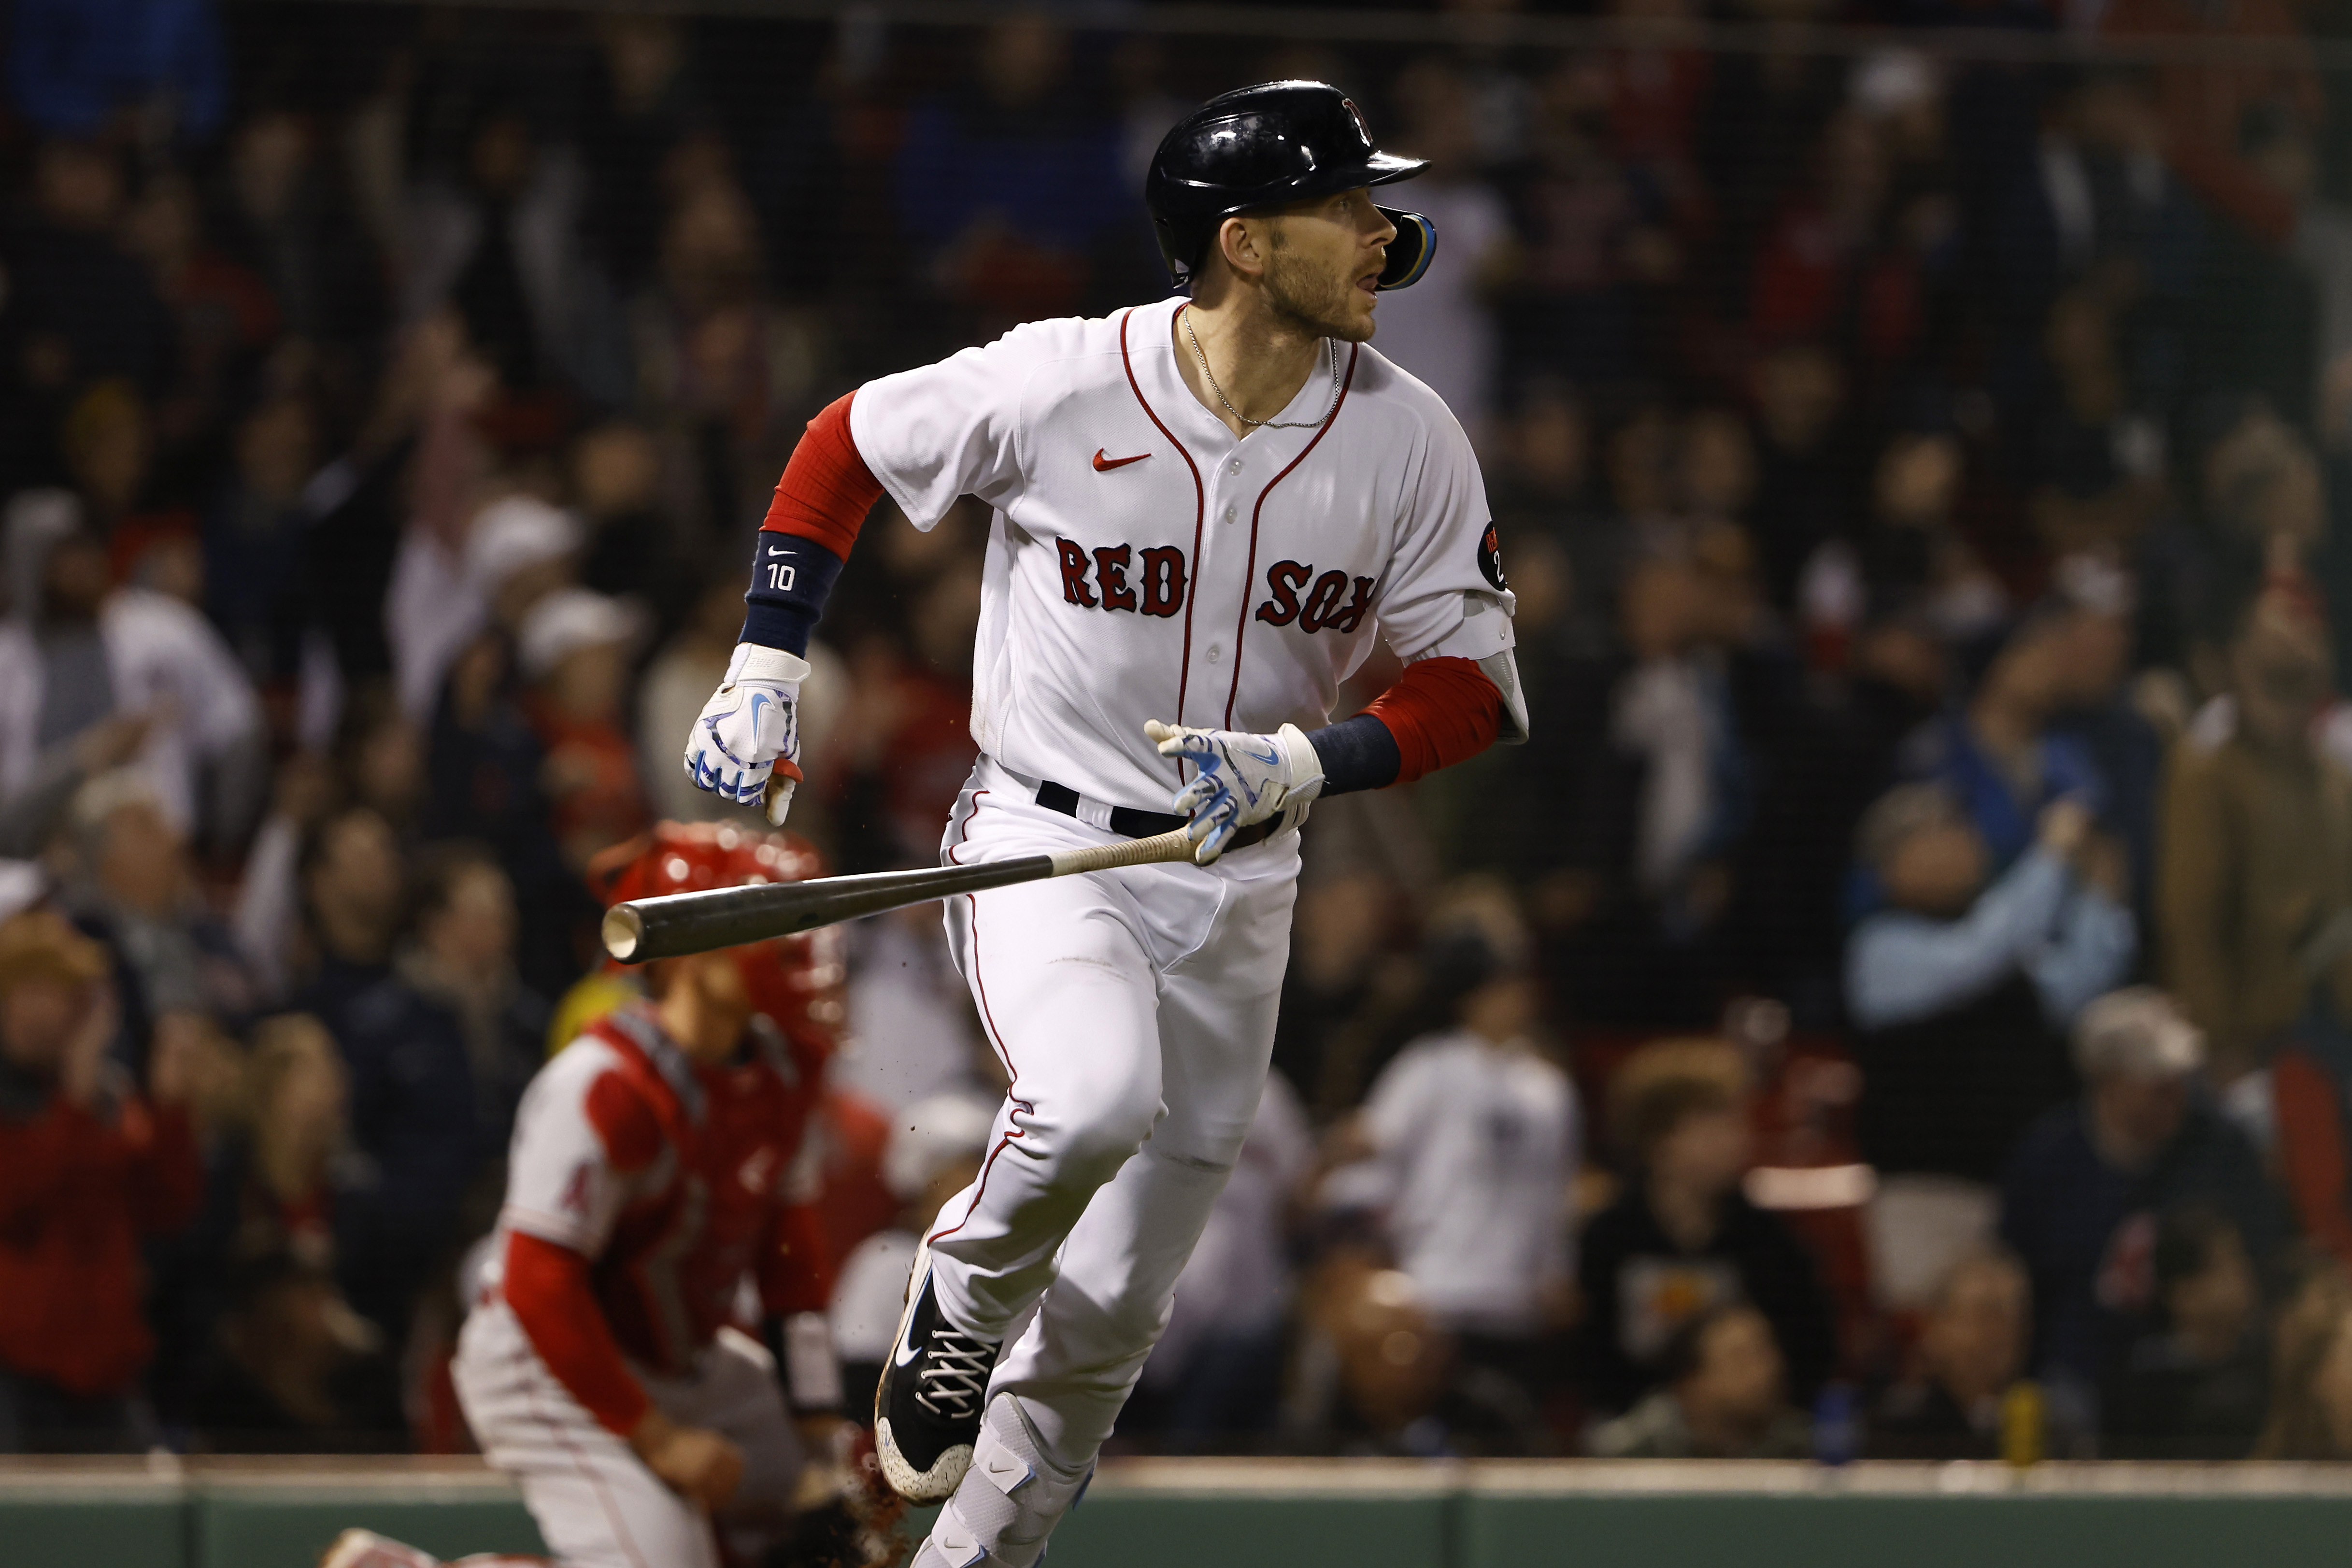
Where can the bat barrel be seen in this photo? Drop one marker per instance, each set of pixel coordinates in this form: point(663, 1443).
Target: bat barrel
point(677, 924)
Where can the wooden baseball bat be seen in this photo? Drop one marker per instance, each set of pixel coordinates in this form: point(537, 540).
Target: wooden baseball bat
point(678, 924)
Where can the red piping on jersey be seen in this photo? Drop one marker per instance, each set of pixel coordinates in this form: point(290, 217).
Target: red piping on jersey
point(1200, 512)
point(1249, 573)
point(988, 1019)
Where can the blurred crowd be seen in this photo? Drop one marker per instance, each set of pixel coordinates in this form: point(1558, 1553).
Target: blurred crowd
point(1899, 1003)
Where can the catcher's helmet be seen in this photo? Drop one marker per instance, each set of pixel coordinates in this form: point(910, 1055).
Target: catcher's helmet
point(1262, 146)
point(796, 982)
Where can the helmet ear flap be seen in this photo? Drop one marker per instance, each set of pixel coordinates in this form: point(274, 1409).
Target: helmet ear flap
point(1411, 252)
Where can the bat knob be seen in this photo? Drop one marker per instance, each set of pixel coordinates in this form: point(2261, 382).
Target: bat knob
point(623, 933)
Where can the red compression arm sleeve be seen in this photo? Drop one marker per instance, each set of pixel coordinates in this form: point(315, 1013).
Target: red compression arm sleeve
point(1441, 712)
point(547, 1286)
point(827, 489)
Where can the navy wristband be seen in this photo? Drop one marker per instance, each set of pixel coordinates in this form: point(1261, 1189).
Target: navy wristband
point(1357, 753)
point(791, 578)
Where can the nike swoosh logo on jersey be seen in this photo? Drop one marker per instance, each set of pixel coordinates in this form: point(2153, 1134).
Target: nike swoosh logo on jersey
point(774, 550)
point(1105, 464)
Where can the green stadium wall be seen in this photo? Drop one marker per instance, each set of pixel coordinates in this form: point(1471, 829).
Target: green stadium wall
point(1282, 1514)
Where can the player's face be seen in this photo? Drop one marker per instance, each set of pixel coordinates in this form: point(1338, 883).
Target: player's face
point(1324, 261)
point(704, 1004)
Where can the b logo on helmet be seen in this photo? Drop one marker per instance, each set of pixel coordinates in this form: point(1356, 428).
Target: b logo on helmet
point(1357, 115)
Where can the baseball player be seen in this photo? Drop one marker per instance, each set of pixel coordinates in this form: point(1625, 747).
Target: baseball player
point(1205, 512)
point(659, 1170)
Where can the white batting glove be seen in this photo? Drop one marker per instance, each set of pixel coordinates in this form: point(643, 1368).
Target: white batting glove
point(746, 745)
point(1243, 779)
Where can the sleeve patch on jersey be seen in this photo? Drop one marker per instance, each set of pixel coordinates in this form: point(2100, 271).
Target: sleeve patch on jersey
point(1490, 559)
point(625, 1123)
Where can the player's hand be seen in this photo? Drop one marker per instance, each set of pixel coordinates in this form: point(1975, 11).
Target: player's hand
point(700, 1465)
point(1243, 779)
point(746, 744)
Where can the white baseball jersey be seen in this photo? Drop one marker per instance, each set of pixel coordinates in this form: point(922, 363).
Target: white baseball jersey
point(1144, 562)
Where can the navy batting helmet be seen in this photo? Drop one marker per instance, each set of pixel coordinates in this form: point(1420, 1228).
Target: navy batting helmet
point(1262, 146)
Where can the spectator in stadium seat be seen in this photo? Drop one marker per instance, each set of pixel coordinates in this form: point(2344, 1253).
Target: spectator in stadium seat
point(1999, 756)
point(354, 888)
point(634, 545)
point(1467, 1146)
point(2311, 1371)
point(439, 1053)
point(1971, 1350)
point(295, 1370)
point(1443, 330)
point(253, 541)
point(76, 653)
point(502, 244)
point(1683, 1238)
point(277, 1153)
point(1961, 994)
point(574, 649)
point(1807, 494)
point(2196, 1386)
point(2086, 1196)
point(1011, 180)
point(137, 892)
point(89, 1167)
point(1725, 1396)
point(286, 215)
point(2256, 881)
point(79, 307)
point(485, 783)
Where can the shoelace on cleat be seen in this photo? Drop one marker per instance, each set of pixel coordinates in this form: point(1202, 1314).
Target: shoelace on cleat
point(954, 1373)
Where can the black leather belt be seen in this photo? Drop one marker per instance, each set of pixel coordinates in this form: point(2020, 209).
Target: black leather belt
point(1129, 823)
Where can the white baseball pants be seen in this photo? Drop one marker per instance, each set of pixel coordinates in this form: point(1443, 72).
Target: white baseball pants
point(596, 1504)
point(1134, 1012)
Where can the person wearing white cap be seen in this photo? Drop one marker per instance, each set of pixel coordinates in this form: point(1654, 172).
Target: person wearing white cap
point(574, 649)
point(517, 550)
point(2091, 1180)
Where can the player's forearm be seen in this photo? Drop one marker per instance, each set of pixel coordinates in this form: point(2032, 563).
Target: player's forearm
point(820, 504)
point(1440, 711)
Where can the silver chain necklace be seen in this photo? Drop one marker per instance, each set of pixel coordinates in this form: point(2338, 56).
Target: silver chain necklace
point(1265, 424)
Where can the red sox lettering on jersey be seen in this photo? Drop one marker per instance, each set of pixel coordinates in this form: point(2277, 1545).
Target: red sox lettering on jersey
point(1142, 559)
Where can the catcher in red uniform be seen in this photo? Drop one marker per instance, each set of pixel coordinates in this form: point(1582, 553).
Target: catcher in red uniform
point(657, 1219)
